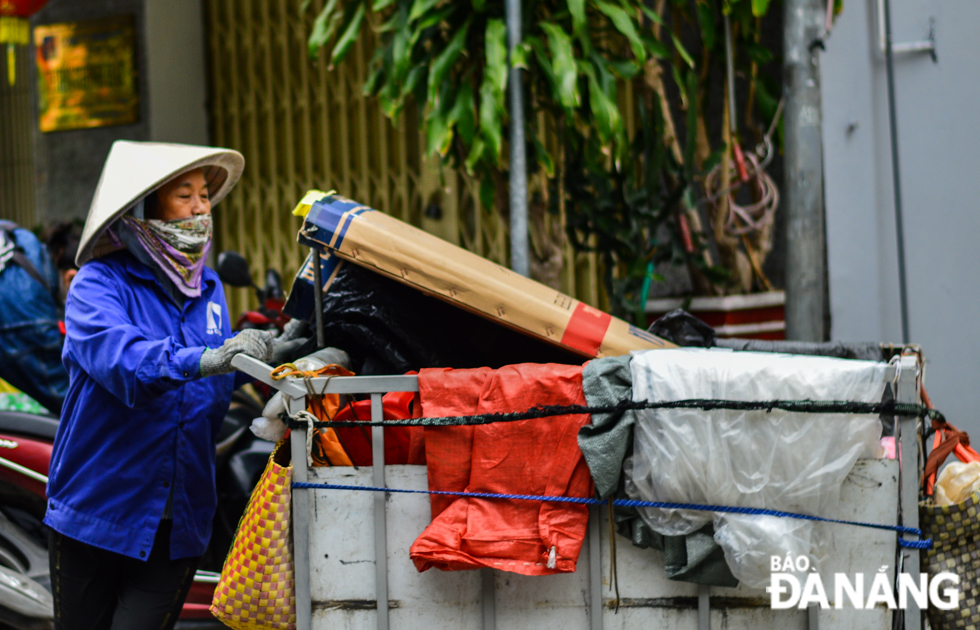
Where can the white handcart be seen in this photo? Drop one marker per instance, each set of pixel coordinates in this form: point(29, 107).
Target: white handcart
point(353, 571)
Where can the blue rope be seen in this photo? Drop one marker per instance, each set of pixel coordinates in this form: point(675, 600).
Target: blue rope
point(910, 544)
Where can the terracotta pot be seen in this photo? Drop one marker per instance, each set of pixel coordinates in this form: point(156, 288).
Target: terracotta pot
point(752, 316)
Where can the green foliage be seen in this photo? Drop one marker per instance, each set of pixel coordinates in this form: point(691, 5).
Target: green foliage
point(451, 58)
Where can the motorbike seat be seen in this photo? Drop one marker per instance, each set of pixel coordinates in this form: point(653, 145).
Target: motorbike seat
point(28, 424)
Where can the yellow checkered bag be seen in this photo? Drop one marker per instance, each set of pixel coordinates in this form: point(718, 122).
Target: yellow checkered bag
point(955, 534)
point(255, 591)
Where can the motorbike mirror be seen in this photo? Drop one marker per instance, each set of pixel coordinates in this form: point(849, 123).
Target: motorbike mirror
point(273, 285)
point(233, 269)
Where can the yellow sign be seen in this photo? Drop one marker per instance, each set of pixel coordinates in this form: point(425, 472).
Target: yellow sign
point(14, 30)
point(87, 74)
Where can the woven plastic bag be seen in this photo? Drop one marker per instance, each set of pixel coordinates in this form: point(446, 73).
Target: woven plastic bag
point(954, 528)
point(255, 591)
point(955, 533)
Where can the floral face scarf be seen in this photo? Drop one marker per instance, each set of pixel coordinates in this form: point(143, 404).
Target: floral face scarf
point(179, 247)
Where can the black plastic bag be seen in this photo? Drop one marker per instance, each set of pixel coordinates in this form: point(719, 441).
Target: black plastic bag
point(684, 329)
point(390, 328)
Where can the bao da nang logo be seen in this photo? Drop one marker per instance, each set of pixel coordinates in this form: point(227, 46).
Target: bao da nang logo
point(787, 590)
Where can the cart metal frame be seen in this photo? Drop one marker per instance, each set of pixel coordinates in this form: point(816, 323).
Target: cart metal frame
point(903, 376)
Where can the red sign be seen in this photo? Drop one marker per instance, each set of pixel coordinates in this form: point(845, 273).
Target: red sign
point(21, 8)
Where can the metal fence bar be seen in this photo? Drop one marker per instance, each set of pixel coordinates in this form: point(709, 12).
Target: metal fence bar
point(908, 459)
point(704, 607)
point(301, 525)
point(366, 384)
point(334, 385)
point(488, 595)
point(317, 263)
point(17, 202)
point(595, 568)
point(380, 525)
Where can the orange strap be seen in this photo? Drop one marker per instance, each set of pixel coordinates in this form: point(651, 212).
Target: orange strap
point(290, 369)
point(328, 450)
point(948, 439)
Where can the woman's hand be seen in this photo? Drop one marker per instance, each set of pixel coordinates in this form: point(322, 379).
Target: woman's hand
point(255, 343)
point(292, 338)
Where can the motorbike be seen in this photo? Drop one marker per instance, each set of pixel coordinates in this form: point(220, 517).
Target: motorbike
point(26, 442)
point(241, 457)
point(235, 271)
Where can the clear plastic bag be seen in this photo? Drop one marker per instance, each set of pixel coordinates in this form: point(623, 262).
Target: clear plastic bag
point(776, 460)
point(748, 545)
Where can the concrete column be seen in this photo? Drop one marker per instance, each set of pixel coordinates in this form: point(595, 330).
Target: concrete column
point(177, 82)
point(806, 266)
point(519, 247)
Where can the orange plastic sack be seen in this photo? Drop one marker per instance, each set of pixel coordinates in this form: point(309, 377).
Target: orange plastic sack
point(403, 445)
point(326, 448)
point(538, 457)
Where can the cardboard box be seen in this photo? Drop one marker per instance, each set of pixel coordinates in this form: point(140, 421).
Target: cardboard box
point(344, 230)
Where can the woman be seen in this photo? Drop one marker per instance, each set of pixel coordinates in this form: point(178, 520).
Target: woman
point(148, 350)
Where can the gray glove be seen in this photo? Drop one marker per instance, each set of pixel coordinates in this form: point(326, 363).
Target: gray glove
point(294, 329)
point(293, 336)
point(255, 343)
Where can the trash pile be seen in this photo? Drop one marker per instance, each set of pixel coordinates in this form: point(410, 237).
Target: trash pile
point(487, 341)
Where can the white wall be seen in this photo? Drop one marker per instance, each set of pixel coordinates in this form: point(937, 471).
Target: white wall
point(939, 143)
point(176, 63)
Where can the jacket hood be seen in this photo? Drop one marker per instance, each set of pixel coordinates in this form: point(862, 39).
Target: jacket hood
point(135, 169)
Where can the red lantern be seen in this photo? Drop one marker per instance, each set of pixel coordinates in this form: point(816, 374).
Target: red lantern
point(21, 8)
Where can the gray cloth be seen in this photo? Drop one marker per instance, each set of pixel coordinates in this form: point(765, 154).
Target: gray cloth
point(693, 558)
point(294, 329)
point(255, 343)
point(861, 351)
point(606, 443)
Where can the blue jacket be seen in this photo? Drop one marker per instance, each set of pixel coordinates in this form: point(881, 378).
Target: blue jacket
point(30, 341)
point(138, 418)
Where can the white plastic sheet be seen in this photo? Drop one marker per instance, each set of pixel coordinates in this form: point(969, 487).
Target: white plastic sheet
point(776, 460)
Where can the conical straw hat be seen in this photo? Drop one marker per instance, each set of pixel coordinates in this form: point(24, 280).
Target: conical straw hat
point(135, 169)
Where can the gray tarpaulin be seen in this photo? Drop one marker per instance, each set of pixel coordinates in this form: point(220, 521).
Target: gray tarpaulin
point(606, 443)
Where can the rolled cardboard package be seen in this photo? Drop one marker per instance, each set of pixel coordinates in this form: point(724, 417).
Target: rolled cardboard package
point(344, 230)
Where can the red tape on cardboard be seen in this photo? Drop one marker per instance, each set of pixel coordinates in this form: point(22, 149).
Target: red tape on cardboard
point(586, 329)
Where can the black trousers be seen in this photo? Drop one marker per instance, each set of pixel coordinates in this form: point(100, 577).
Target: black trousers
point(95, 589)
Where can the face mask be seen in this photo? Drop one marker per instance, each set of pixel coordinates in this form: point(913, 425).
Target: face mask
point(189, 236)
point(178, 247)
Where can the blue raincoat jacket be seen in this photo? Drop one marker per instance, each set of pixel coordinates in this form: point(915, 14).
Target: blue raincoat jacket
point(138, 418)
point(30, 341)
